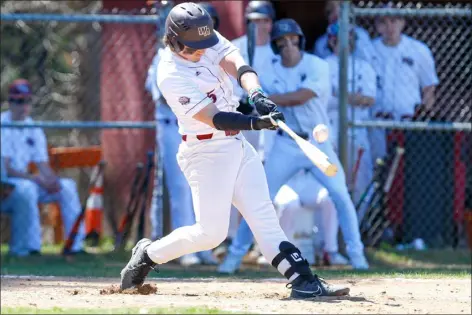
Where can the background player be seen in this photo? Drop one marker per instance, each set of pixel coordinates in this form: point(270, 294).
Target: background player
point(219, 164)
point(300, 84)
point(168, 140)
point(406, 79)
point(362, 85)
point(363, 48)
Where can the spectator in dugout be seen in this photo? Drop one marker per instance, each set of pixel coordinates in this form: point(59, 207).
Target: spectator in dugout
point(406, 77)
point(363, 46)
point(19, 148)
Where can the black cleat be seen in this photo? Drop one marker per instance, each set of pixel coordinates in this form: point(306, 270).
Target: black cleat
point(308, 287)
point(138, 266)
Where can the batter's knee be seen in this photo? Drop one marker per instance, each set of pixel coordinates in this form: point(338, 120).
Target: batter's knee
point(210, 237)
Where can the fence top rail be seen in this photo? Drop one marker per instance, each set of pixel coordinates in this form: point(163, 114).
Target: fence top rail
point(81, 124)
point(413, 125)
point(86, 18)
point(412, 12)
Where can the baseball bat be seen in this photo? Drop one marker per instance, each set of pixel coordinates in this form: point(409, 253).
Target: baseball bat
point(145, 192)
point(139, 200)
point(131, 204)
point(315, 155)
point(355, 170)
point(377, 228)
point(370, 189)
point(97, 172)
point(251, 42)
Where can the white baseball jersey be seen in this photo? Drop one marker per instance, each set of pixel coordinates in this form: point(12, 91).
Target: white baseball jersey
point(23, 145)
point(263, 55)
point(402, 71)
point(363, 49)
point(362, 80)
point(311, 73)
point(188, 86)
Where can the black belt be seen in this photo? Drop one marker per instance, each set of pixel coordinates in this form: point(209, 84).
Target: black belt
point(302, 135)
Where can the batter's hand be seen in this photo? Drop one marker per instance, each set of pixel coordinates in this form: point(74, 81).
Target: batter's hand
point(263, 104)
point(268, 121)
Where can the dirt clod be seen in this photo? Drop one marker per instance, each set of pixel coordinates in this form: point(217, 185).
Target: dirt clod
point(145, 289)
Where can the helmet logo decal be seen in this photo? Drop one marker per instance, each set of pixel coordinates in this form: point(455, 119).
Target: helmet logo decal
point(204, 31)
point(285, 27)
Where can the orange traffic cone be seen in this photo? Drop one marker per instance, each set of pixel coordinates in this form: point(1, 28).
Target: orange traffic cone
point(94, 212)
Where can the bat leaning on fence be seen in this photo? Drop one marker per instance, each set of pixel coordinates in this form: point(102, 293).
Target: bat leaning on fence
point(375, 220)
point(132, 204)
point(355, 171)
point(97, 173)
point(145, 194)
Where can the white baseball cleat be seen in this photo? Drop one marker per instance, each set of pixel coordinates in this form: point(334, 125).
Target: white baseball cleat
point(262, 261)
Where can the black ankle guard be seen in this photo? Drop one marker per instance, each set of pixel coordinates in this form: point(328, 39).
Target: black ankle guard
point(293, 255)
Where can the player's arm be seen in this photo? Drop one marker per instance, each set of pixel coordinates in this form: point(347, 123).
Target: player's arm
point(316, 84)
point(234, 64)
point(296, 98)
point(366, 97)
point(428, 76)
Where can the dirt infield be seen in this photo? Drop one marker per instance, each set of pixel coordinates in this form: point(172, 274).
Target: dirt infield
point(368, 296)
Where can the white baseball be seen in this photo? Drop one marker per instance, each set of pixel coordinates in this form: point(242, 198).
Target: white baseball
point(320, 133)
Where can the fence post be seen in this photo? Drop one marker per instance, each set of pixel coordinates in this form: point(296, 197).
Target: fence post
point(343, 68)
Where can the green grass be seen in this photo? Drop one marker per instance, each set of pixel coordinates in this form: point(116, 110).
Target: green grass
point(58, 310)
point(385, 262)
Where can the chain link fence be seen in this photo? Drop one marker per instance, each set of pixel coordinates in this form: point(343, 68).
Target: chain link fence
point(87, 67)
point(419, 126)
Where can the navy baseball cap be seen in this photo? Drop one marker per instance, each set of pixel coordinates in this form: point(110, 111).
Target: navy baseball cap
point(19, 89)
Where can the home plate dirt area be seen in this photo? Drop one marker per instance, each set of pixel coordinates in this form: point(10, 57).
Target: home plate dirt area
point(368, 296)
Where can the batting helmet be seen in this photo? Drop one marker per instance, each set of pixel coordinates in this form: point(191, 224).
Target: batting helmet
point(333, 29)
point(189, 25)
point(259, 10)
point(213, 13)
point(285, 27)
point(19, 89)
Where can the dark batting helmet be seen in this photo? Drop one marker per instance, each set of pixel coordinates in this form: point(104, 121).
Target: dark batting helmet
point(286, 27)
point(213, 13)
point(189, 25)
point(259, 10)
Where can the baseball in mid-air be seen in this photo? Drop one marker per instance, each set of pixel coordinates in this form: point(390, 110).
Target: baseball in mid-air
point(320, 133)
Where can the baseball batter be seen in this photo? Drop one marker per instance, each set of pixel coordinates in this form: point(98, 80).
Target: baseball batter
point(221, 167)
point(362, 92)
point(300, 84)
point(168, 140)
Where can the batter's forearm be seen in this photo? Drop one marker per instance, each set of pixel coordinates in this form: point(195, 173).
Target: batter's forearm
point(250, 81)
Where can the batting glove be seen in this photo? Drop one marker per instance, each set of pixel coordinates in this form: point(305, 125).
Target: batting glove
point(267, 121)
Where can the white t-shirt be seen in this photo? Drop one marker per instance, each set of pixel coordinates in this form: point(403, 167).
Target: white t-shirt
point(311, 73)
point(23, 145)
point(188, 86)
point(402, 72)
point(362, 80)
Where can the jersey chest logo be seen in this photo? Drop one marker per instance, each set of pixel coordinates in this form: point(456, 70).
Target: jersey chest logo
point(212, 95)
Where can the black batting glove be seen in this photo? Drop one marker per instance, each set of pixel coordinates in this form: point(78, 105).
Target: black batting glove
point(261, 102)
point(267, 121)
point(245, 108)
